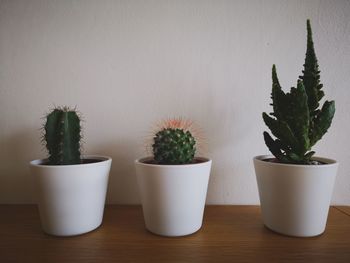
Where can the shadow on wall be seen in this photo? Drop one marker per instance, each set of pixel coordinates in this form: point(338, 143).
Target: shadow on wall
point(16, 153)
point(122, 186)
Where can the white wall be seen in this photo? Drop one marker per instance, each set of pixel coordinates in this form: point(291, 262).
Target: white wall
point(127, 64)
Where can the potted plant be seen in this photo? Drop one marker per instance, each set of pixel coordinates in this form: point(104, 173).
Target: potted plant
point(173, 182)
point(71, 189)
point(295, 188)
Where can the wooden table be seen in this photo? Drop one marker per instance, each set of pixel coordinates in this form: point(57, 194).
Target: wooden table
point(229, 234)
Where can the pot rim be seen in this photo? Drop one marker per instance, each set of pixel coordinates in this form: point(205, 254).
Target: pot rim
point(140, 161)
point(326, 162)
point(102, 158)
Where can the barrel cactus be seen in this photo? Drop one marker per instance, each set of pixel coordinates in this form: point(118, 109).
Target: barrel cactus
point(63, 136)
point(297, 121)
point(174, 143)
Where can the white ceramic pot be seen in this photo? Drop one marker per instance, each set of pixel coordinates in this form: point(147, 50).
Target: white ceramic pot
point(294, 198)
point(173, 196)
point(71, 198)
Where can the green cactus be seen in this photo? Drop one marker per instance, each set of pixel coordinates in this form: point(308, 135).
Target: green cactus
point(297, 121)
point(62, 136)
point(174, 146)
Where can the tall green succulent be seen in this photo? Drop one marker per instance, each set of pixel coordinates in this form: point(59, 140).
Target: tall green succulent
point(62, 136)
point(297, 121)
point(174, 146)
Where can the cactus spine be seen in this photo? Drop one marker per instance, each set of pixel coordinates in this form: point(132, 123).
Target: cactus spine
point(174, 146)
point(297, 121)
point(62, 136)
point(175, 141)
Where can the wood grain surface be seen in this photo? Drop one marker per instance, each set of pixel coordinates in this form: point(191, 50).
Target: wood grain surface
point(344, 209)
point(229, 234)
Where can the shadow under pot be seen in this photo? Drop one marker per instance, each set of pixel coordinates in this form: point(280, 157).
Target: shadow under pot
point(71, 198)
point(173, 196)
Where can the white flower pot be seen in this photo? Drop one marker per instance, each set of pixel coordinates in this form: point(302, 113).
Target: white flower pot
point(173, 196)
point(71, 198)
point(295, 199)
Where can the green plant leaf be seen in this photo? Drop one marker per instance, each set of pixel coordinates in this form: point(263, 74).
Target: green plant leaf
point(322, 121)
point(281, 130)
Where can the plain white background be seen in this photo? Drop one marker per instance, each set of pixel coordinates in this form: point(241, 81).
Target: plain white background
point(128, 64)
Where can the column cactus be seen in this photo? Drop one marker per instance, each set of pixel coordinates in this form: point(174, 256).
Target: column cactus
point(63, 136)
point(297, 121)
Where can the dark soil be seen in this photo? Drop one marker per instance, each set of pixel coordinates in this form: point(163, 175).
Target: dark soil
point(91, 161)
point(274, 160)
point(196, 160)
point(84, 161)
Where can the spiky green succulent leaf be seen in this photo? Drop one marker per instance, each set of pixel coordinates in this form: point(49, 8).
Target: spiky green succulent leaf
point(292, 116)
point(297, 116)
point(311, 74)
point(277, 95)
point(281, 130)
point(174, 146)
point(275, 147)
point(322, 121)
